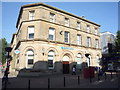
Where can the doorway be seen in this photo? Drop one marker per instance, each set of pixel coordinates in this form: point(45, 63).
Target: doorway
point(66, 66)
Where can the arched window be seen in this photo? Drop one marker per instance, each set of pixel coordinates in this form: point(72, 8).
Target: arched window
point(30, 58)
point(97, 60)
point(51, 56)
point(79, 60)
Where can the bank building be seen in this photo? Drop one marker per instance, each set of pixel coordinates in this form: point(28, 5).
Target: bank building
point(50, 39)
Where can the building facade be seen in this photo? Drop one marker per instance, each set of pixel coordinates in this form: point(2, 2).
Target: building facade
point(106, 38)
point(48, 38)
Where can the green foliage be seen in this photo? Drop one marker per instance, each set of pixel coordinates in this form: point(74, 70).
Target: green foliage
point(117, 41)
point(3, 45)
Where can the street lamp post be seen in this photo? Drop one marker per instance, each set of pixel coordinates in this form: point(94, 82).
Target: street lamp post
point(87, 55)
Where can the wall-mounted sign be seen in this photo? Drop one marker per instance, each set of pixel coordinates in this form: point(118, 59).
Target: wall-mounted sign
point(17, 51)
point(67, 48)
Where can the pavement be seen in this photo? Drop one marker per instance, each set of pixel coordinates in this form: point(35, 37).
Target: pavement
point(57, 81)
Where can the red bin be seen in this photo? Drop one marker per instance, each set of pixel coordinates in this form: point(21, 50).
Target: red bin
point(87, 72)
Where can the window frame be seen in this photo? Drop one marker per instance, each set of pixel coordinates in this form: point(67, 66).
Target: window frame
point(68, 37)
point(52, 30)
point(52, 17)
point(89, 41)
point(67, 22)
point(79, 42)
point(32, 15)
point(31, 33)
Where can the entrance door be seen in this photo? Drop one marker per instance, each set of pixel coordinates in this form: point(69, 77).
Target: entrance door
point(65, 67)
point(66, 64)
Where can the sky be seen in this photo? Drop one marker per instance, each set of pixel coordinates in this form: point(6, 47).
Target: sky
point(103, 13)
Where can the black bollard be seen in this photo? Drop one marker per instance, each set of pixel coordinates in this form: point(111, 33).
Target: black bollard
point(64, 82)
point(5, 85)
point(98, 77)
point(29, 85)
point(48, 83)
point(105, 76)
point(116, 74)
point(78, 80)
point(90, 79)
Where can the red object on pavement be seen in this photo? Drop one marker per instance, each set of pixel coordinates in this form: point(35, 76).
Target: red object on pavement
point(87, 72)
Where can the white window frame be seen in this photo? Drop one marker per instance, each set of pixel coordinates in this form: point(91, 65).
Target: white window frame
point(88, 41)
point(67, 22)
point(52, 33)
point(52, 17)
point(31, 30)
point(79, 60)
point(96, 43)
point(31, 53)
point(96, 31)
point(78, 39)
point(51, 56)
point(78, 25)
point(88, 28)
point(68, 37)
point(31, 15)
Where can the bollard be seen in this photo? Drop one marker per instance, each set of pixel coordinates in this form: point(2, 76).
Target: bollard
point(105, 76)
point(29, 85)
point(116, 74)
point(90, 79)
point(5, 85)
point(64, 82)
point(78, 80)
point(48, 83)
point(98, 77)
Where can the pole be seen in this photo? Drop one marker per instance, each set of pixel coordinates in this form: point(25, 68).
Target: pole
point(48, 83)
point(78, 80)
point(29, 85)
point(64, 82)
point(105, 76)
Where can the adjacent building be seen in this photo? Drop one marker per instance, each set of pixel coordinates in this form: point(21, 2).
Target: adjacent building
point(48, 38)
point(108, 51)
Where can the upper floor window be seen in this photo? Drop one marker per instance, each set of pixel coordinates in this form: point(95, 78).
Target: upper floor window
point(78, 39)
point(96, 43)
point(51, 34)
point(78, 25)
point(66, 37)
point(52, 17)
point(88, 28)
point(88, 41)
point(31, 32)
point(31, 15)
point(66, 21)
point(96, 31)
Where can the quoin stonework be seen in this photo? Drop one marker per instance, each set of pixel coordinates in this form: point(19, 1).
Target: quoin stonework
point(48, 38)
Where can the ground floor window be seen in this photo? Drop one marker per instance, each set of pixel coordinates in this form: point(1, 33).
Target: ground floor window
point(30, 58)
point(79, 61)
point(51, 55)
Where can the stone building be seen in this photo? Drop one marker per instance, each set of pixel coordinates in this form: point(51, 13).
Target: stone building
point(48, 38)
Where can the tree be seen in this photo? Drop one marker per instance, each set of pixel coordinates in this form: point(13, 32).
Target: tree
point(3, 45)
point(117, 42)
